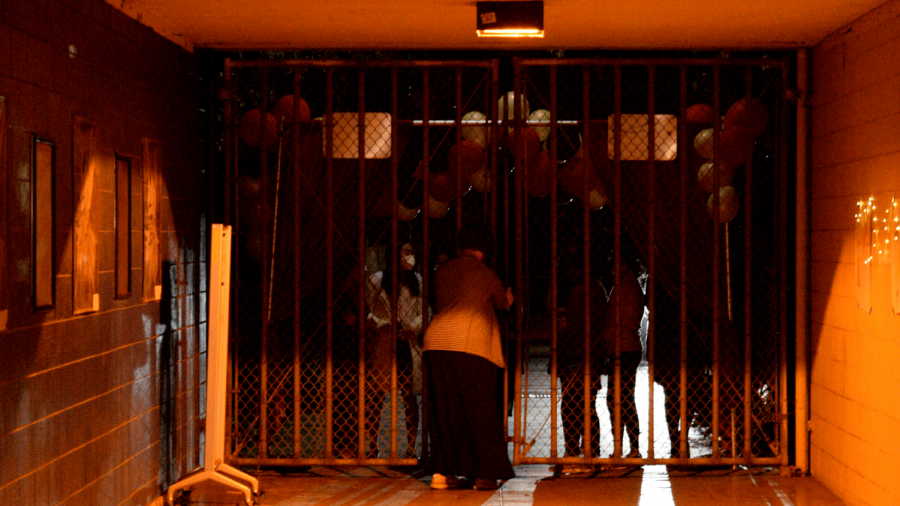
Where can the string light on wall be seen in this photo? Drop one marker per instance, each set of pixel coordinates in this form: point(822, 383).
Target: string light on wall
point(894, 254)
point(863, 252)
point(864, 228)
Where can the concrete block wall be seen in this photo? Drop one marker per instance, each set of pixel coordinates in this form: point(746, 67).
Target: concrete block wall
point(104, 407)
point(855, 155)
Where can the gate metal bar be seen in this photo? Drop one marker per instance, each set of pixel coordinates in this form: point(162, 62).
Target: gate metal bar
point(748, 300)
point(554, 263)
point(264, 278)
point(682, 275)
point(717, 310)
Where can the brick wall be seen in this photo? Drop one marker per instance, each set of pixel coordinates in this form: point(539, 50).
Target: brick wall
point(100, 407)
point(855, 384)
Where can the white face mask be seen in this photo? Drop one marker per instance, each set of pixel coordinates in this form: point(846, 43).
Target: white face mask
point(408, 261)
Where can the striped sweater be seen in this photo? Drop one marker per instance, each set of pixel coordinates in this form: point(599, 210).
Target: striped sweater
point(468, 292)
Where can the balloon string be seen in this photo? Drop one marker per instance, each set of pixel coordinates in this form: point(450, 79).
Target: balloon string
point(728, 271)
point(275, 225)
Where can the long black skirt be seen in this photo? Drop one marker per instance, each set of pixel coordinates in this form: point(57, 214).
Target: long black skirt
point(465, 418)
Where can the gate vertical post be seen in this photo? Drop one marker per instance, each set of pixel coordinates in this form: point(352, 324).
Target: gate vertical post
point(426, 237)
point(295, 162)
point(651, 190)
point(329, 212)
point(616, 381)
point(683, 279)
point(554, 265)
point(458, 141)
point(361, 241)
point(802, 268)
point(228, 154)
point(494, 133)
point(717, 125)
point(395, 305)
point(748, 299)
point(230, 177)
point(518, 190)
point(264, 300)
point(586, 167)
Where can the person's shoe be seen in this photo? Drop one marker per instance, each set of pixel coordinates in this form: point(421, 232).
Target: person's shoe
point(485, 484)
point(441, 482)
point(634, 454)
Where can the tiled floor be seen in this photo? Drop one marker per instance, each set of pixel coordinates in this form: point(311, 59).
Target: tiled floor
point(534, 485)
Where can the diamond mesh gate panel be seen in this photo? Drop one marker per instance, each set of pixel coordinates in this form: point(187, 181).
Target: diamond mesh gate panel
point(668, 143)
point(348, 174)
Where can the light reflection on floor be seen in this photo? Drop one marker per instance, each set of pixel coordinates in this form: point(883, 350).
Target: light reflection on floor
point(538, 427)
point(656, 490)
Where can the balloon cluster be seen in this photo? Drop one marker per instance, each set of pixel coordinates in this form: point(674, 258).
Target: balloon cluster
point(527, 144)
point(745, 120)
point(250, 128)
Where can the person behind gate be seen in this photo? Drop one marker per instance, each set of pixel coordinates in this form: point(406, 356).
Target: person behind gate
point(626, 297)
point(410, 323)
point(463, 352)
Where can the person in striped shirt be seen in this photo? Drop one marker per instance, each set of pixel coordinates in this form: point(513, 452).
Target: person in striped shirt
point(464, 354)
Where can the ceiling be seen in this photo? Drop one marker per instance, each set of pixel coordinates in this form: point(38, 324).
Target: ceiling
point(450, 24)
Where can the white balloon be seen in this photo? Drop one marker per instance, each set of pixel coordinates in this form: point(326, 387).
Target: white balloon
point(436, 208)
point(729, 204)
point(481, 180)
point(404, 213)
point(598, 199)
point(474, 128)
point(706, 173)
point(543, 116)
point(703, 143)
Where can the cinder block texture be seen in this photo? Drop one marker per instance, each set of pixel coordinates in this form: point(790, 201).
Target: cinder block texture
point(99, 407)
point(855, 155)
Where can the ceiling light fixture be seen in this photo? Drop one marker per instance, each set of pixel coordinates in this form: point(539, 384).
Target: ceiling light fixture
point(510, 19)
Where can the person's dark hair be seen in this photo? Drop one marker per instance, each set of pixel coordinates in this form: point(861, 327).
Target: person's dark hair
point(409, 279)
point(476, 236)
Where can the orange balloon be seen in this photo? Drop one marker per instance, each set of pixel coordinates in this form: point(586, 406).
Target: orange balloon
point(540, 176)
point(700, 113)
point(443, 187)
point(249, 129)
point(571, 178)
point(530, 143)
point(284, 110)
point(471, 155)
point(748, 113)
point(736, 145)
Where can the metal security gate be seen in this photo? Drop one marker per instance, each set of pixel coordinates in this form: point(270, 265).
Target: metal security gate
point(337, 172)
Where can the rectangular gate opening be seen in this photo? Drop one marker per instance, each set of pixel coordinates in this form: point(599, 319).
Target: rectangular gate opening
point(640, 213)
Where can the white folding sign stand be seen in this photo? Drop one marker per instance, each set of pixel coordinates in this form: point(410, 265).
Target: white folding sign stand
point(214, 469)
